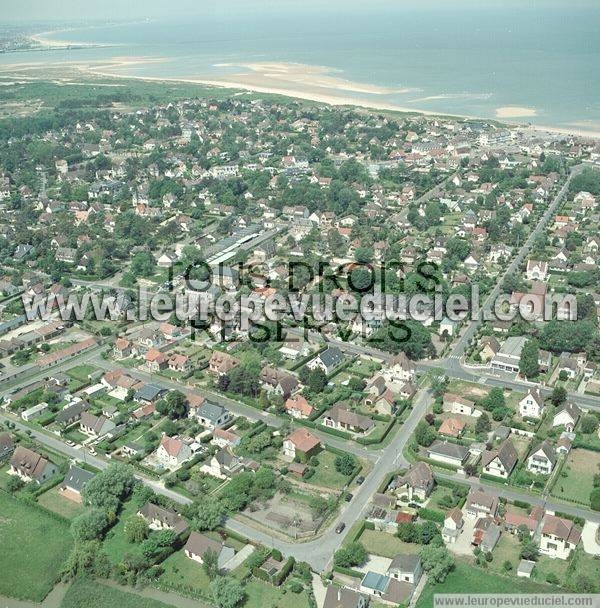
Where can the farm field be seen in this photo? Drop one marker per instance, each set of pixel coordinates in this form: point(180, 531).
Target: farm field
point(35, 545)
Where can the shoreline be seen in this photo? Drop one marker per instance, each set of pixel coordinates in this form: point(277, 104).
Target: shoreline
point(341, 100)
point(309, 83)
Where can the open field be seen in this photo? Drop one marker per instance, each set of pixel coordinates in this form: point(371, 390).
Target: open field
point(576, 479)
point(182, 571)
point(326, 475)
point(469, 579)
point(34, 547)
point(386, 545)
point(86, 592)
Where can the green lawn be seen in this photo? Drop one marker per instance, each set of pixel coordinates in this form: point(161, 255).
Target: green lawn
point(115, 544)
point(34, 546)
point(54, 501)
point(81, 372)
point(326, 475)
point(386, 545)
point(180, 571)
point(86, 592)
point(262, 595)
point(469, 579)
point(576, 479)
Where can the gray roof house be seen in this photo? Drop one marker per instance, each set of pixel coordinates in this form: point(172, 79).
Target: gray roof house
point(76, 478)
point(212, 415)
point(450, 453)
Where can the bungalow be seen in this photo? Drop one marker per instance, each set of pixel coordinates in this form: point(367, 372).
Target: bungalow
point(559, 537)
point(567, 416)
point(71, 413)
point(225, 438)
point(159, 518)
point(35, 411)
point(448, 453)
point(298, 407)
point(301, 444)
point(73, 483)
point(222, 363)
point(406, 567)
point(453, 524)
point(514, 521)
point(172, 452)
point(481, 504)
point(500, 462)
point(532, 405)
point(417, 482)
point(198, 545)
point(343, 419)
point(212, 416)
point(31, 466)
point(149, 394)
point(542, 459)
point(489, 348)
point(452, 427)
point(386, 588)
point(95, 426)
point(328, 360)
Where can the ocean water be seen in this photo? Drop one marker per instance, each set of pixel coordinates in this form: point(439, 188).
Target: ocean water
point(458, 61)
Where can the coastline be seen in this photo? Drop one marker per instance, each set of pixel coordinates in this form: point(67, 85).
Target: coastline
point(309, 83)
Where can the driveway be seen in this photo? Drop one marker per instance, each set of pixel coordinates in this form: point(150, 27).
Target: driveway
point(463, 546)
point(375, 563)
point(588, 536)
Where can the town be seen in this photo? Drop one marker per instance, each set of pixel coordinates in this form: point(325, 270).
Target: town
point(331, 464)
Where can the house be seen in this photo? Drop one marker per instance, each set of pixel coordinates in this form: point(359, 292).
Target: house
point(74, 481)
point(398, 371)
point(301, 444)
point(31, 466)
point(406, 567)
point(486, 534)
point(514, 521)
point(122, 348)
point(507, 359)
point(149, 394)
point(159, 518)
point(417, 482)
point(344, 419)
point(156, 360)
point(6, 445)
point(71, 413)
point(500, 462)
point(542, 459)
point(34, 412)
point(222, 363)
point(179, 363)
point(453, 524)
point(172, 452)
point(532, 405)
point(448, 453)
point(212, 416)
point(294, 346)
point(386, 588)
point(225, 438)
point(275, 380)
point(525, 568)
point(481, 504)
point(198, 545)
point(536, 270)
point(567, 416)
point(455, 404)
point(344, 597)
point(489, 348)
point(559, 537)
point(298, 407)
point(222, 465)
point(328, 360)
point(95, 426)
point(452, 427)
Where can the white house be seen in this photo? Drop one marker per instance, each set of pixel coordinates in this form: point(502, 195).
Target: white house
point(567, 417)
point(500, 462)
point(542, 459)
point(559, 537)
point(453, 524)
point(532, 405)
point(536, 270)
point(172, 452)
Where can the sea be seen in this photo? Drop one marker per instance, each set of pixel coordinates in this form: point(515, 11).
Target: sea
point(542, 57)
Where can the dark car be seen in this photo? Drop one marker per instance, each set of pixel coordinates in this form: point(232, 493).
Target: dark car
point(348, 497)
point(340, 528)
point(359, 480)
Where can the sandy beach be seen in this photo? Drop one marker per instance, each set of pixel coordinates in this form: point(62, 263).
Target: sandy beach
point(515, 112)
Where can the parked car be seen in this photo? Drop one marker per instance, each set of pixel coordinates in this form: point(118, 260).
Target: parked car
point(348, 497)
point(359, 480)
point(340, 527)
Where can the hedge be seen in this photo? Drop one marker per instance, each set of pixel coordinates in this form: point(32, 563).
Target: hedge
point(348, 572)
point(432, 515)
point(372, 440)
point(287, 568)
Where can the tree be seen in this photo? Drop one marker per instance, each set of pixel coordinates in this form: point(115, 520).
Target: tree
point(14, 484)
point(227, 592)
point(424, 434)
point(345, 464)
point(494, 399)
point(86, 558)
point(317, 380)
point(559, 395)
point(589, 424)
point(595, 499)
point(529, 550)
point(210, 564)
point(529, 363)
point(174, 405)
point(136, 529)
point(437, 561)
point(407, 532)
point(209, 514)
point(109, 488)
point(353, 554)
point(90, 525)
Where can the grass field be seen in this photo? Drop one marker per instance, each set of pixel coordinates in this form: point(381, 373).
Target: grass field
point(576, 479)
point(180, 570)
point(386, 545)
point(85, 592)
point(326, 475)
point(34, 546)
point(263, 595)
point(469, 579)
point(81, 372)
point(115, 544)
point(54, 501)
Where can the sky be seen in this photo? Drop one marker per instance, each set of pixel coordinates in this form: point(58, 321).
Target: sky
point(76, 10)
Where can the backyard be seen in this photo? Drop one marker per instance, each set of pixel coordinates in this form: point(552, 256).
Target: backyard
point(54, 501)
point(576, 479)
point(386, 545)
